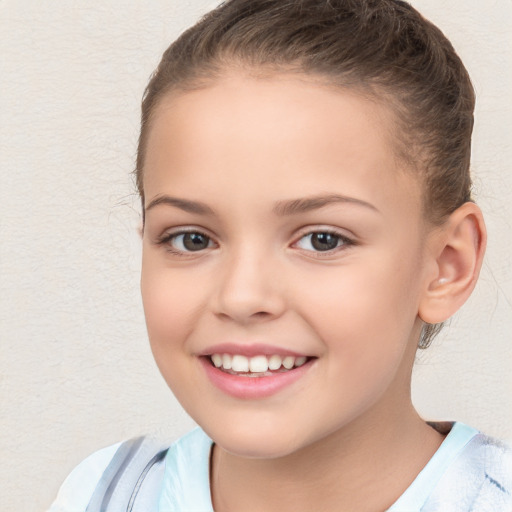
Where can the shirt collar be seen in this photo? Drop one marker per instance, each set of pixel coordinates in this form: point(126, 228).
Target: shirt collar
point(186, 483)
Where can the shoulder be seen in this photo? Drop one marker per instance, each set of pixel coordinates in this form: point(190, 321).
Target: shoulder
point(480, 477)
point(469, 472)
point(98, 477)
point(492, 459)
point(77, 489)
point(135, 460)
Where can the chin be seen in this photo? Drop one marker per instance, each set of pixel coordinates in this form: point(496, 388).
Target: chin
point(256, 448)
point(253, 442)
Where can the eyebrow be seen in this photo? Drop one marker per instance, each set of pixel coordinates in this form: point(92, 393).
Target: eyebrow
point(306, 204)
point(282, 208)
point(183, 204)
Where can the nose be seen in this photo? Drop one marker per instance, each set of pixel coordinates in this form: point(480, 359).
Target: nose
point(250, 289)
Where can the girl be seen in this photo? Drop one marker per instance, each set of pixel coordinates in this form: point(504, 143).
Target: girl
point(307, 223)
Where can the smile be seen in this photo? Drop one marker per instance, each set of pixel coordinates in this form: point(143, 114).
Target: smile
point(257, 366)
point(253, 376)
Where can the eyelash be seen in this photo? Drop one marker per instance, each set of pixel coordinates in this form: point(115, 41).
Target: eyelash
point(343, 242)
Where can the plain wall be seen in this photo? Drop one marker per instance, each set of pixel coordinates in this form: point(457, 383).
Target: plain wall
point(76, 372)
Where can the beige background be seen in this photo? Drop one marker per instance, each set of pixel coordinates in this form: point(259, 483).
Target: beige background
point(76, 373)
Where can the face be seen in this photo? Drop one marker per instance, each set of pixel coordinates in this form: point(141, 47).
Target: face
point(283, 256)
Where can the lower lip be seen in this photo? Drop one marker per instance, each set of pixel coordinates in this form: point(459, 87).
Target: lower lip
point(252, 387)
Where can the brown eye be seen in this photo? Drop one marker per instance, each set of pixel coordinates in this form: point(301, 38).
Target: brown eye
point(322, 241)
point(195, 241)
point(189, 242)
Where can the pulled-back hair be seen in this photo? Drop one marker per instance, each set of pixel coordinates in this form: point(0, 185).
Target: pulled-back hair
point(381, 48)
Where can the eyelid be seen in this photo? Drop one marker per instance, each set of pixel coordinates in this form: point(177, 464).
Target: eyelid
point(324, 228)
point(178, 230)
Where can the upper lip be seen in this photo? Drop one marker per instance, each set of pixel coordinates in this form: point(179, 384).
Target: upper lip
point(249, 350)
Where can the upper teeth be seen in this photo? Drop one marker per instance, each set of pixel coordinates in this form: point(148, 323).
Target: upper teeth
point(256, 364)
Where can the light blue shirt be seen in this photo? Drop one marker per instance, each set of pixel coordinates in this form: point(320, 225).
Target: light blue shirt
point(469, 472)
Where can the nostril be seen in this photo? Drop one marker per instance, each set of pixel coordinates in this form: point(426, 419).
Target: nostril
point(261, 314)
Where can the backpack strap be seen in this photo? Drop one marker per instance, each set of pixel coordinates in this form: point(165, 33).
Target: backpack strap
point(156, 459)
point(136, 462)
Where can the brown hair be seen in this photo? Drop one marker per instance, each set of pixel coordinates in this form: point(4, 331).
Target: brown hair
point(383, 48)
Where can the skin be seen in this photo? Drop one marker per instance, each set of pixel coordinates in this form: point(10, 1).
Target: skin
point(240, 147)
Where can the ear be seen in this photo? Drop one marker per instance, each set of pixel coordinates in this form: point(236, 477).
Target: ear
point(457, 251)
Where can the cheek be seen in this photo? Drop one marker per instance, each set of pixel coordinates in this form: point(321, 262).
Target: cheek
point(170, 303)
point(361, 307)
point(170, 307)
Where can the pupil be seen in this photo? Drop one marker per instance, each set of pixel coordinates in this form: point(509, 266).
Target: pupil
point(195, 241)
point(324, 241)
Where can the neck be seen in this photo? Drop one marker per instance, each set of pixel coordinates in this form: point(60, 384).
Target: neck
point(382, 453)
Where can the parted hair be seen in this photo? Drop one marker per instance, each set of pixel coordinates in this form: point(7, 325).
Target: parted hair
point(384, 49)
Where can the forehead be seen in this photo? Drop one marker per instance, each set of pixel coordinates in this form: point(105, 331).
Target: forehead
point(291, 132)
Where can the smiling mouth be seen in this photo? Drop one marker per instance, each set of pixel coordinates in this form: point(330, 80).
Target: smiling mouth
point(257, 366)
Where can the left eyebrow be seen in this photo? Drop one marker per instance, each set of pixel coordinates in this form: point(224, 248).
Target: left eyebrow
point(306, 204)
point(183, 204)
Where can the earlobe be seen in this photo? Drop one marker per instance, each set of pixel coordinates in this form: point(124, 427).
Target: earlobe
point(458, 254)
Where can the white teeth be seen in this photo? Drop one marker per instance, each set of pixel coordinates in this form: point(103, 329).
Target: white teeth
point(300, 361)
point(217, 360)
point(275, 362)
point(257, 364)
point(226, 361)
point(288, 362)
point(240, 364)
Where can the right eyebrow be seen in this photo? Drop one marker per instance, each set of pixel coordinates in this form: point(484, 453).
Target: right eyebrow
point(183, 204)
point(306, 204)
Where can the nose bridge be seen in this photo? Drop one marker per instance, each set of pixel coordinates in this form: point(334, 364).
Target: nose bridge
point(249, 285)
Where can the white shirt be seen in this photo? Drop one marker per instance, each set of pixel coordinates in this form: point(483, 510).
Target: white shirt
point(469, 472)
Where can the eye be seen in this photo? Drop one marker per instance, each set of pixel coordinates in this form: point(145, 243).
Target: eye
point(192, 241)
point(322, 241)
